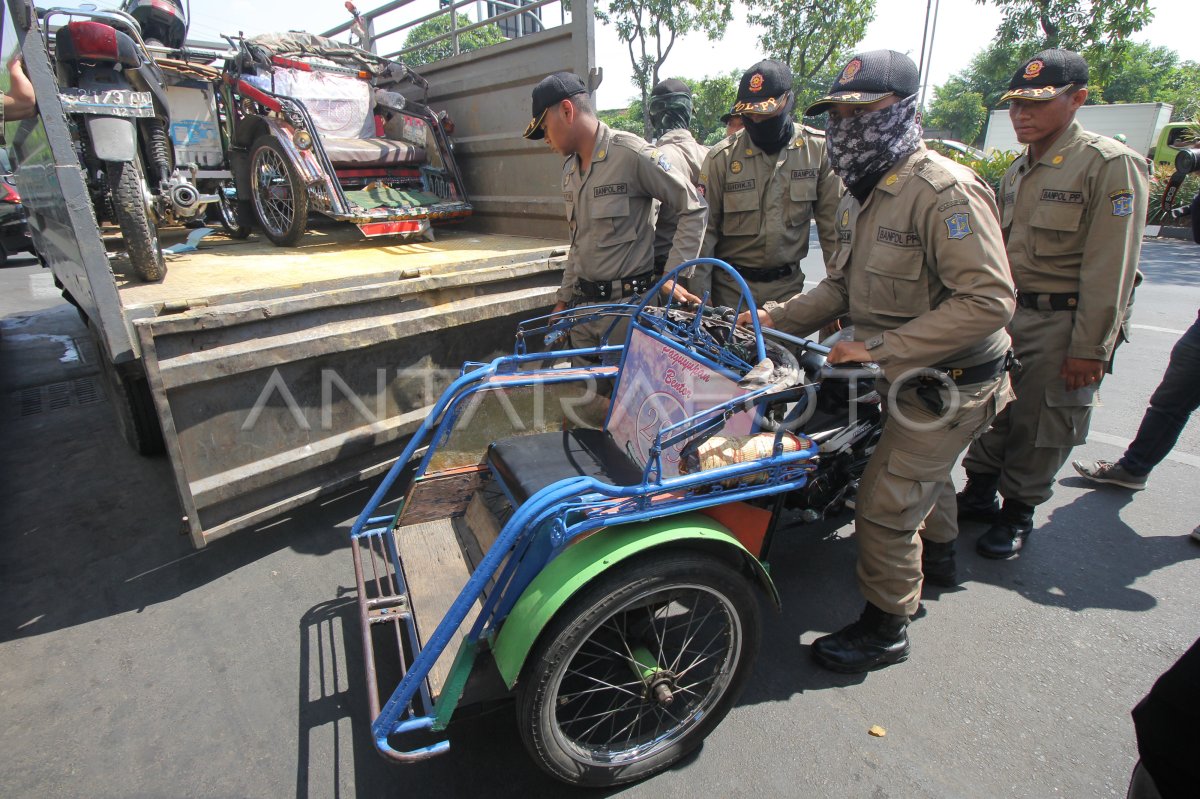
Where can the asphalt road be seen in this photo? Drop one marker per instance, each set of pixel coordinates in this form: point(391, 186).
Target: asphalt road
point(134, 666)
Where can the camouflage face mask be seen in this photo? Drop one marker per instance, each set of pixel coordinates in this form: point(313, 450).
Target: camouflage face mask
point(670, 111)
point(871, 142)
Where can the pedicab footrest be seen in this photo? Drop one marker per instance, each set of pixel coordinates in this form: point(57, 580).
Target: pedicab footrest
point(527, 464)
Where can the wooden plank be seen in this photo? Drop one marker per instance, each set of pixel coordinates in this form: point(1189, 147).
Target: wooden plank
point(436, 572)
point(440, 496)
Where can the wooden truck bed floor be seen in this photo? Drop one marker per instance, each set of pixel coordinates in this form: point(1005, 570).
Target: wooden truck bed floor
point(331, 257)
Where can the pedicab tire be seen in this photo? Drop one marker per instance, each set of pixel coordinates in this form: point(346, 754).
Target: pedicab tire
point(137, 226)
point(280, 235)
point(586, 614)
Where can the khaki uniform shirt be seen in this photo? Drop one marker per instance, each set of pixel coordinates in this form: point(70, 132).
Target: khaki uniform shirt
point(608, 211)
point(1073, 222)
point(920, 267)
point(687, 155)
point(761, 205)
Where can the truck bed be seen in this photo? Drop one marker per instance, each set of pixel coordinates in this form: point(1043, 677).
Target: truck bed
point(225, 270)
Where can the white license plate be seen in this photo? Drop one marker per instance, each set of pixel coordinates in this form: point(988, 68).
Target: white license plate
point(113, 102)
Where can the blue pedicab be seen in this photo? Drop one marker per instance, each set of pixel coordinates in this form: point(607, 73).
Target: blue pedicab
point(588, 527)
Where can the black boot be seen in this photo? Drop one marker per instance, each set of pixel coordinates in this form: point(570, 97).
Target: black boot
point(977, 502)
point(937, 563)
point(1006, 537)
point(876, 640)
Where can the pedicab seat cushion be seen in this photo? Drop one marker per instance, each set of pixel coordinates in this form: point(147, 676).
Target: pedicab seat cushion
point(527, 464)
point(371, 152)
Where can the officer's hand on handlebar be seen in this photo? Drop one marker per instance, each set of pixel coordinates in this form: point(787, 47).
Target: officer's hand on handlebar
point(680, 295)
point(764, 319)
point(849, 352)
point(558, 309)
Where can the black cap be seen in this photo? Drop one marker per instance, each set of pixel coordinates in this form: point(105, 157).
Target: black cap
point(762, 88)
point(868, 77)
point(671, 86)
point(1047, 75)
point(553, 89)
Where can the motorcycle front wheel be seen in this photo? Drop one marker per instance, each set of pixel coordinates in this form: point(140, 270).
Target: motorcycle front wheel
point(635, 671)
point(136, 220)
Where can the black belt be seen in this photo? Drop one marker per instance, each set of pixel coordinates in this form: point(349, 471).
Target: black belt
point(764, 275)
point(601, 290)
point(968, 375)
point(1049, 302)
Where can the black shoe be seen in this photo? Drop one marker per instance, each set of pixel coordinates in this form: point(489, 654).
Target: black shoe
point(937, 563)
point(875, 641)
point(1004, 539)
point(977, 502)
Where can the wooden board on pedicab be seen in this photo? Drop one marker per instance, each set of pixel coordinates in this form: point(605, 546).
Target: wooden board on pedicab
point(435, 572)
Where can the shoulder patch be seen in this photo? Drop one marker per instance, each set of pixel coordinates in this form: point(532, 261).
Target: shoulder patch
point(1109, 148)
point(935, 174)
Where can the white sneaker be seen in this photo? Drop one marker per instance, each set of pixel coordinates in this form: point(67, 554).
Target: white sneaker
point(1196, 533)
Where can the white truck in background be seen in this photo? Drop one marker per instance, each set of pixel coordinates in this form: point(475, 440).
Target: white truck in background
point(1147, 128)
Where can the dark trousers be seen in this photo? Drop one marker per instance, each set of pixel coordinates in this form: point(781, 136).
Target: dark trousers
point(1170, 406)
point(1165, 723)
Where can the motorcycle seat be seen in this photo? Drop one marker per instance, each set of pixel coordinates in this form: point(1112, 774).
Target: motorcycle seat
point(371, 152)
point(527, 464)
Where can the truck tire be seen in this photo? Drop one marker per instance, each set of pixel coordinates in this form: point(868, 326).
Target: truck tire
point(133, 404)
point(137, 224)
point(278, 192)
point(626, 646)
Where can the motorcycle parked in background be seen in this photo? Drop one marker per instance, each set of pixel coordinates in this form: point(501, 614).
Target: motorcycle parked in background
point(114, 96)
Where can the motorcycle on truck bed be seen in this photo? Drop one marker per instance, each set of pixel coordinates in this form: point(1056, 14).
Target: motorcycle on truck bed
point(586, 530)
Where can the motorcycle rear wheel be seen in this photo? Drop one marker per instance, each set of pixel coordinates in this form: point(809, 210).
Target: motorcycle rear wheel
point(136, 221)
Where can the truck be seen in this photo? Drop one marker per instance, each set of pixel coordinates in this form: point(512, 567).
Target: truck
point(272, 377)
point(1147, 128)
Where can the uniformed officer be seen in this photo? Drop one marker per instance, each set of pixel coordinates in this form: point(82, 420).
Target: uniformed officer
point(671, 117)
point(732, 122)
point(610, 179)
point(764, 185)
point(920, 268)
point(1073, 208)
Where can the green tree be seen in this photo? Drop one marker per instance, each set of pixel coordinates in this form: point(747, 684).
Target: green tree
point(1072, 24)
point(649, 29)
point(807, 35)
point(711, 99)
point(471, 40)
point(958, 109)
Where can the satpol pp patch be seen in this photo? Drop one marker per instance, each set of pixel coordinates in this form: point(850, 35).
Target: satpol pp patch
point(1122, 202)
point(664, 164)
point(958, 226)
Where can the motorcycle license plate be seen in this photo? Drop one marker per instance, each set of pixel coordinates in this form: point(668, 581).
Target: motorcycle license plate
point(113, 103)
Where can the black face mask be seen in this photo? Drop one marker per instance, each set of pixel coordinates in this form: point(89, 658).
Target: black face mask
point(772, 135)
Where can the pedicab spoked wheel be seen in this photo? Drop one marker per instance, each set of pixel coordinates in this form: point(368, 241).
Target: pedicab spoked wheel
point(279, 195)
point(634, 672)
point(234, 217)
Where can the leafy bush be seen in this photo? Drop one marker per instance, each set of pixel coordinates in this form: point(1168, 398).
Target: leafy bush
point(991, 167)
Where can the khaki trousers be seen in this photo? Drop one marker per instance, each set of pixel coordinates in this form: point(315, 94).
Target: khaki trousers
point(1034, 436)
point(906, 492)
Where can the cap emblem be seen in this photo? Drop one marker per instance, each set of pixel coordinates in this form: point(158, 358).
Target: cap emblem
point(850, 71)
point(1034, 68)
point(756, 82)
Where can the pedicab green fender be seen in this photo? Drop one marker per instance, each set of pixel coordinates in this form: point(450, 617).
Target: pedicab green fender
point(581, 563)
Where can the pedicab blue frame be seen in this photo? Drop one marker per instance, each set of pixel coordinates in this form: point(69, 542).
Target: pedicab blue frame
point(546, 525)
